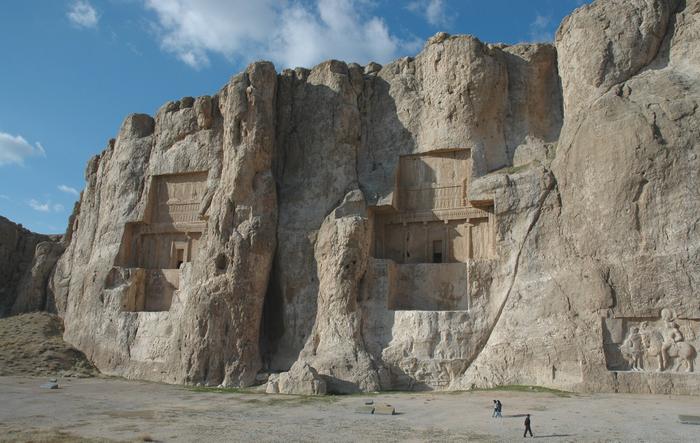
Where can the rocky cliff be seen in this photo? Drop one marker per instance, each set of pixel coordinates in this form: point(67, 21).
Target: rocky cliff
point(477, 215)
point(26, 262)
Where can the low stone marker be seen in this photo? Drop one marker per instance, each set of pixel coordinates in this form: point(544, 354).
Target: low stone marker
point(370, 408)
point(365, 409)
point(384, 410)
point(689, 419)
point(50, 385)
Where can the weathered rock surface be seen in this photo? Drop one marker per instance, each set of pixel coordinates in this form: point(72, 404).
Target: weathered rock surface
point(34, 292)
point(26, 262)
point(599, 49)
point(301, 379)
point(336, 344)
point(474, 216)
point(215, 155)
point(617, 239)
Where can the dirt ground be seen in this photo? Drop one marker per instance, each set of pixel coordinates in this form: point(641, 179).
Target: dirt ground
point(96, 409)
point(32, 344)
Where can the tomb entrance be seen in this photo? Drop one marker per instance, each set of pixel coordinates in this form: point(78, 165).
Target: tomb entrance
point(167, 238)
point(431, 228)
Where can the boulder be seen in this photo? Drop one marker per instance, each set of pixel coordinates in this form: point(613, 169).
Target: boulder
point(301, 379)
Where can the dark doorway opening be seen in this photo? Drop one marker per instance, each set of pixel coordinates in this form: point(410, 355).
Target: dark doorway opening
point(437, 251)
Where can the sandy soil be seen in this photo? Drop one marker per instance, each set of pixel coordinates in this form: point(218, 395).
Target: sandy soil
point(32, 344)
point(115, 409)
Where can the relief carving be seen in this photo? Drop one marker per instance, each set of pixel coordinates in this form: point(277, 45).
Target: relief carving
point(652, 345)
point(432, 221)
point(432, 230)
point(166, 239)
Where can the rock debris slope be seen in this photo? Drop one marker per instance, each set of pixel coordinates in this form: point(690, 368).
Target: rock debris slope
point(477, 215)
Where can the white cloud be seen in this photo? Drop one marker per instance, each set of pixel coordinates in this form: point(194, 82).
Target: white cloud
point(335, 30)
point(192, 28)
point(434, 11)
point(82, 14)
point(68, 190)
point(4, 197)
point(41, 207)
point(289, 33)
point(14, 149)
point(540, 29)
point(45, 206)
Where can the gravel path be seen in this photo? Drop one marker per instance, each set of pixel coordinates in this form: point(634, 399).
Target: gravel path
point(129, 410)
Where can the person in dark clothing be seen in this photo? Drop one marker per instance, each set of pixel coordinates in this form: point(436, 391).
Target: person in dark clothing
point(495, 409)
point(527, 426)
point(499, 408)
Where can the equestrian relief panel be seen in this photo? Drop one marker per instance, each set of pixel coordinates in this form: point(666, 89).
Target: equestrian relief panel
point(665, 344)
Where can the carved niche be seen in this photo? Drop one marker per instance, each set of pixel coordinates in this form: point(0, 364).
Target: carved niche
point(432, 220)
point(431, 231)
point(665, 343)
point(155, 249)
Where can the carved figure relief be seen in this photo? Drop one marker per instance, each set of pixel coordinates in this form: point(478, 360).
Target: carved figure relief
point(667, 344)
point(633, 349)
point(166, 239)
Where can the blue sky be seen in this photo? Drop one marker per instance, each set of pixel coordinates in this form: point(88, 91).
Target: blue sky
point(73, 69)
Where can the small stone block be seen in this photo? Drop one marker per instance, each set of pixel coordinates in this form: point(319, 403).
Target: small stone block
point(689, 419)
point(50, 385)
point(369, 402)
point(366, 409)
point(384, 410)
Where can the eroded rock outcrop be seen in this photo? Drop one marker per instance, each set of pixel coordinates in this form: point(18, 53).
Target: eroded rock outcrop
point(474, 216)
point(620, 233)
point(26, 262)
point(336, 344)
point(166, 273)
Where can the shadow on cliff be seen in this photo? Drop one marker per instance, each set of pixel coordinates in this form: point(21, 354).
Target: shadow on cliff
point(382, 138)
point(535, 100)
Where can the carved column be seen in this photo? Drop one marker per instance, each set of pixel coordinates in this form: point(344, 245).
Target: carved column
point(469, 295)
point(468, 228)
point(492, 235)
point(405, 241)
point(428, 257)
point(446, 242)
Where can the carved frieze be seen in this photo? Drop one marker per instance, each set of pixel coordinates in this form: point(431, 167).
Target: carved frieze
point(659, 344)
point(433, 221)
point(167, 238)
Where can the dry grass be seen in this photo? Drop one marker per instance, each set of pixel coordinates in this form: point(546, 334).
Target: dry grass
point(32, 344)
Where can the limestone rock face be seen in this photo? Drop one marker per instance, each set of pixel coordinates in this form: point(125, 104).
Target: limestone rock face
point(318, 134)
point(336, 345)
point(34, 292)
point(619, 229)
point(599, 50)
point(474, 216)
point(166, 272)
point(26, 262)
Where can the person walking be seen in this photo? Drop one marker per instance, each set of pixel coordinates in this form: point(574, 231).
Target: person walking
point(499, 409)
point(527, 427)
point(495, 409)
